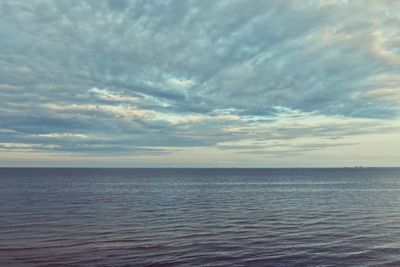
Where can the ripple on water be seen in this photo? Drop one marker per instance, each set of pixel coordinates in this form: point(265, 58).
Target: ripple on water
point(205, 217)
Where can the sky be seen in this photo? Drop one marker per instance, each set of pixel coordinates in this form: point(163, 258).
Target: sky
point(205, 83)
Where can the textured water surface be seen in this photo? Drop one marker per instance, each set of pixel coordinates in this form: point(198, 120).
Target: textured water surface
point(200, 217)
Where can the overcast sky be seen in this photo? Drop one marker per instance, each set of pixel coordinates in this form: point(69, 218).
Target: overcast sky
point(199, 83)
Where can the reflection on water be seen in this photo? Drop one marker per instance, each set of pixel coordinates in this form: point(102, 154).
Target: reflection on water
point(202, 217)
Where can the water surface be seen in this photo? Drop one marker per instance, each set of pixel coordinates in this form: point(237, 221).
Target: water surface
point(200, 217)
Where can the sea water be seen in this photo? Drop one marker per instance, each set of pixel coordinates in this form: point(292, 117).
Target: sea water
point(199, 217)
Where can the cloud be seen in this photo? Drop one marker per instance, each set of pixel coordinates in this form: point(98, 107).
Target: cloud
point(144, 76)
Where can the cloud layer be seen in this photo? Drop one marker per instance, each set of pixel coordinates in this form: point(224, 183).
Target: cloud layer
point(150, 78)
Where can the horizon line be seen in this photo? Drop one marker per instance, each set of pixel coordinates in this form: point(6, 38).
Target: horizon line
point(194, 167)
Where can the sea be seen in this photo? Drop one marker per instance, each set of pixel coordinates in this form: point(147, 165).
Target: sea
point(199, 217)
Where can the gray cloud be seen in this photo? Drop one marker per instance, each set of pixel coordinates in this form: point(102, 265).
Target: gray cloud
point(180, 73)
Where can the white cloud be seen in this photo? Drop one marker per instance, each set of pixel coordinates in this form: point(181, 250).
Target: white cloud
point(105, 94)
point(63, 135)
point(118, 78)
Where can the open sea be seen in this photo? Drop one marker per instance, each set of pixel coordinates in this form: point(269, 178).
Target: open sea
point(199, 217)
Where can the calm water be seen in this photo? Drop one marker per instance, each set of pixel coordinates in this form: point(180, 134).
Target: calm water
point(200, 217)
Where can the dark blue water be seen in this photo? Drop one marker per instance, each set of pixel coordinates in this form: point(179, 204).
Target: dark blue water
point(200, 217)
